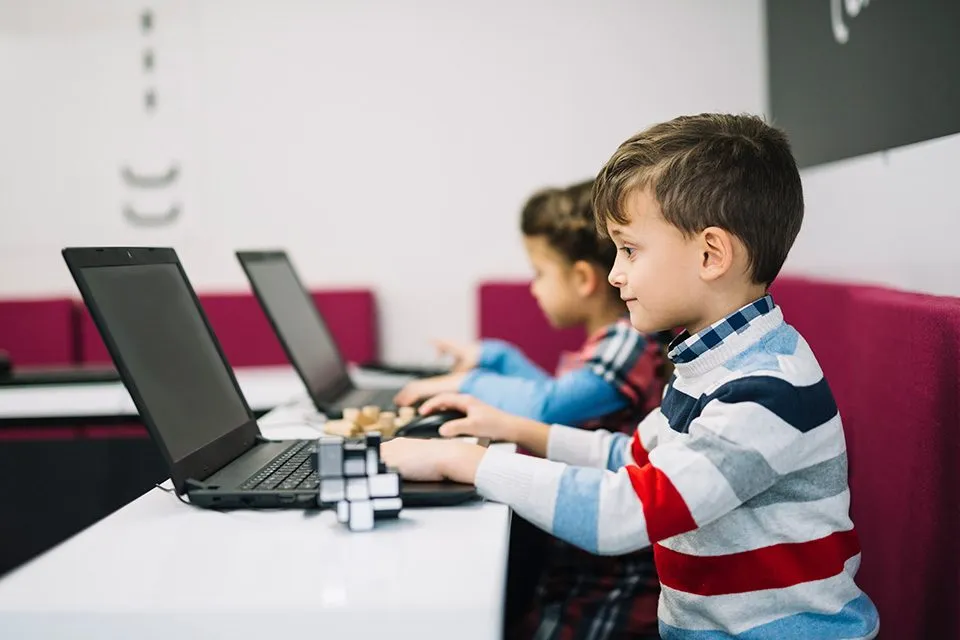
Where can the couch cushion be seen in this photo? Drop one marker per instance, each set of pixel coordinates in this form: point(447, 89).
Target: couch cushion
point(38, 332)
point(903, 437)
point(509, 312)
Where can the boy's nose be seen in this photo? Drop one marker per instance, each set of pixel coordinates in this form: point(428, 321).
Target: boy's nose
point(615, 277)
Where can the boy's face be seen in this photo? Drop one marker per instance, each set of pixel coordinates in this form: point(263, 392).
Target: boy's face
point(657, 268)
point(553, 284)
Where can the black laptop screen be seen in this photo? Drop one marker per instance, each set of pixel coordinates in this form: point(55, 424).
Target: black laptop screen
point(169, 354)
point(299, 325)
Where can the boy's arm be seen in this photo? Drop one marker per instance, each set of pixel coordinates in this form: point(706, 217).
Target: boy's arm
point(504, 358)
point(574, 397)
point(602, 449)
point(733, 452)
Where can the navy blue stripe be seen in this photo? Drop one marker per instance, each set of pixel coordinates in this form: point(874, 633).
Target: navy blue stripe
point(803, 408)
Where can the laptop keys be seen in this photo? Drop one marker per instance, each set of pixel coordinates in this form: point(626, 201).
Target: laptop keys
point(289, 470)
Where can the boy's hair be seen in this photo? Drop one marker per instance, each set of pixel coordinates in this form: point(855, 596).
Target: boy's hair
point(564, 217)
point(730, 171)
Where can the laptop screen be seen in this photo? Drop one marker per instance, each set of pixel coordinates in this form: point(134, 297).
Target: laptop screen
point(170, 355)
point(300, 327)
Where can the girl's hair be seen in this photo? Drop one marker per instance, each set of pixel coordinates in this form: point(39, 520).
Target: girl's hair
point(564, 217)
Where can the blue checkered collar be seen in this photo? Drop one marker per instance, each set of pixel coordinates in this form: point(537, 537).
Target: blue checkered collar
point(686, 348)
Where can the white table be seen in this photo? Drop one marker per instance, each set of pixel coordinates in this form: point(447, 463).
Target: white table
point(263, 387)
point(160, 569)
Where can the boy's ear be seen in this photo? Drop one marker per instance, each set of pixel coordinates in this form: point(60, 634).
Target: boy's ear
point(716, 253)
point(585, 278)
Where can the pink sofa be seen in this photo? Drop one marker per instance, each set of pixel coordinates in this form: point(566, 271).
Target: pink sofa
point(38, 332)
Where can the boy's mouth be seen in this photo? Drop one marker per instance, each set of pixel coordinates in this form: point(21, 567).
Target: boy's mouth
point(629, 300)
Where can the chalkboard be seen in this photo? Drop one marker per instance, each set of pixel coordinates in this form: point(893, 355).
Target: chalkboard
point(849, 77)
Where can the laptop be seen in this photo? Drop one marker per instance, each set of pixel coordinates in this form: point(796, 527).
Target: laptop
point(187, 395)
point(305, 337)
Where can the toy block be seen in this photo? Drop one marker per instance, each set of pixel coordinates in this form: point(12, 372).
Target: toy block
point(343, 428)
point(328, 457)
point(384, 485)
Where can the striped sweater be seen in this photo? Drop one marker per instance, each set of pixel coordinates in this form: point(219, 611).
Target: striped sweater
point(739, 481)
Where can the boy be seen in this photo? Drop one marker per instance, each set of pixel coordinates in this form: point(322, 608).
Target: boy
point(739, 480)
point(616, 375)
point(615, 379)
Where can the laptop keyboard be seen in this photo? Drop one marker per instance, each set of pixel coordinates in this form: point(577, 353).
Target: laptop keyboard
point(288, 471)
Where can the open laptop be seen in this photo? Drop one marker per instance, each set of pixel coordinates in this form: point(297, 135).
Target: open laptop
point(305, 337)
point(187, 395)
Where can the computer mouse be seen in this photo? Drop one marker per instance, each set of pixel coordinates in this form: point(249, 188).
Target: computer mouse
point(428, 426)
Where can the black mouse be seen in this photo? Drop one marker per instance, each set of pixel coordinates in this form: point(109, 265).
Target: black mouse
point(428, 426)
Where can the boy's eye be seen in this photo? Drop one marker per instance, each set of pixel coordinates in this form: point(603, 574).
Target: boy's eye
point(627, 250)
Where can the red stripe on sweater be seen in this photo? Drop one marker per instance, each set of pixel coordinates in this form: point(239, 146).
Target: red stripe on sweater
point(774, 567)
point(640, 455)
point(664, 510)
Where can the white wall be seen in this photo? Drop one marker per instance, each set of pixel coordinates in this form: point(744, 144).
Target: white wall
point(889, 218)
point(383, 143)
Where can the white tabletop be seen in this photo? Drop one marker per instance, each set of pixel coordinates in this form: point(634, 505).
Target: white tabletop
point(263, 387)
point(158, 568)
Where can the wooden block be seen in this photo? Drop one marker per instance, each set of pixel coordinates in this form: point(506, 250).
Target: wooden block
point(368, 415)
point(387, 424)
point(351, 414)
point(407, 413)
point(342, 428)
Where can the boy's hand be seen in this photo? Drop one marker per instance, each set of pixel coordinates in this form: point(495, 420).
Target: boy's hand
point(481, 420)
point(433, 460)
point(465, 355)
point(427, 388)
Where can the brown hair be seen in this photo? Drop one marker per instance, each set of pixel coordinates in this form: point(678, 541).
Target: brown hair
point(564, 217)
point(730, 171)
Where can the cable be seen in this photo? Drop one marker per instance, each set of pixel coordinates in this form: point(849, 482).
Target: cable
point(174, 492)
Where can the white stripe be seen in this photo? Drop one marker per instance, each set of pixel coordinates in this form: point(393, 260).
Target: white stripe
point(703, 384)
point(621, 526)
point(526, 484)
point(741, 612)
point(821, 443)
point(799, 369)
point(579, 447)
point(650, 427)
point(703, 488)
point(746, 529)
point(783, 447)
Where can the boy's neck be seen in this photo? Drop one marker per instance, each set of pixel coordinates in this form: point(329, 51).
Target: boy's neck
point(722, 306)
point(603, 315)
